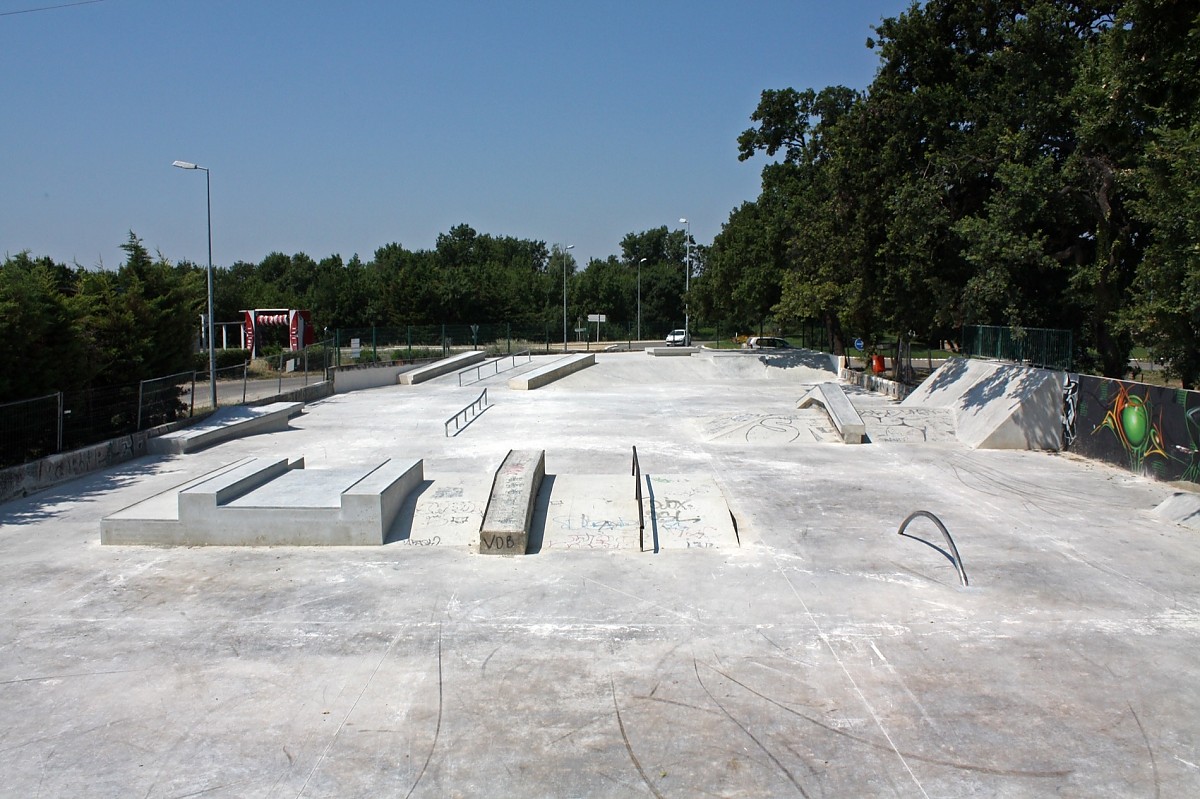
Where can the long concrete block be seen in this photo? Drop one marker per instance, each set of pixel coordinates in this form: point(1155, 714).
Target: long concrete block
point(845, 418)
point(442, 367)
point(505, 528)
point(659, 352)
point(225, 424)
point(551, 372)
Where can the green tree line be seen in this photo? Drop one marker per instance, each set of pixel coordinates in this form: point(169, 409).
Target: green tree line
point(1031, 164)
point(68, 328)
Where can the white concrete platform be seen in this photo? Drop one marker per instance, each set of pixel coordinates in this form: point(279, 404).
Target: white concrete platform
point(269, 502)
point(545, 375)
point(825, 656)
point(225, 424)
point(438, 368)
point(841, 412)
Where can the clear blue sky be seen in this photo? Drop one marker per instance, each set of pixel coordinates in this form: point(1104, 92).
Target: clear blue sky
point(338, 127)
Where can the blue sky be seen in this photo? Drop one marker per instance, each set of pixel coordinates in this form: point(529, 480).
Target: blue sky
point(339, 127)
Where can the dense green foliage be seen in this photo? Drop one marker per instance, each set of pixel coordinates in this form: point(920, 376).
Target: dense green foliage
point(66, 329)
point(1031, 164)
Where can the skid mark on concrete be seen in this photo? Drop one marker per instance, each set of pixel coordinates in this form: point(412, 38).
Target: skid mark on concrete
point(794, 427)
point(447, 511)
point(895, 424)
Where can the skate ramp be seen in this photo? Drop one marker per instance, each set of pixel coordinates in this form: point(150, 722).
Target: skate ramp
point(702, 368)
point(996, 405)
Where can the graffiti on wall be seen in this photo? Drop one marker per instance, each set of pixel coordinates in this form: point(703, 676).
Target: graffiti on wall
point(1150, 430)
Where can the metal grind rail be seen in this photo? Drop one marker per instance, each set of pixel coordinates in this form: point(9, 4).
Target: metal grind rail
point(637, 494)
point(467, 414)
point(954, 556)
point(478, 370)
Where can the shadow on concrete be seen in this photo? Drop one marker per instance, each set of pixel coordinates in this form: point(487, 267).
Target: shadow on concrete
point(41, 506)
point(792, 359)
point(541, 512)
point(950, 373)
point(471, 421)
point(653, 513)
point(401, 529)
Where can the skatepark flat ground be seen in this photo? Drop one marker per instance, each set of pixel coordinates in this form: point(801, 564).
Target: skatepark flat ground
point(817, 653)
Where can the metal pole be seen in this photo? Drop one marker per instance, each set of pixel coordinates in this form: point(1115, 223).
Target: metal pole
point(212, 352)
point(687, 281)
point(564, 257)
point(640, 298)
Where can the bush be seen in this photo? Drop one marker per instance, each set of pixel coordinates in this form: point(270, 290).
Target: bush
point(224, 359)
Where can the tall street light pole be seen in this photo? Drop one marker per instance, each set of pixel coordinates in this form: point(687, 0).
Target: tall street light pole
point(564, 257)
point(212, 352)
point(687, 279)
point(640, 297)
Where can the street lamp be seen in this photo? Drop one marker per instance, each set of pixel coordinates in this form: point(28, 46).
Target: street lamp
point(687, 278)
point(564, 255)
point(640, 297)
point(212, 352)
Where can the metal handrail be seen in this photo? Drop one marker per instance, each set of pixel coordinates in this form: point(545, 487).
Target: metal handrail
point(957, 559)
point(478, 369)
point(637, 494)
point(481, 401)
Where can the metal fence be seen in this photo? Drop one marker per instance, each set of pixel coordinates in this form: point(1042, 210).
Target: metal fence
point(1035, 346)
point(66, 420)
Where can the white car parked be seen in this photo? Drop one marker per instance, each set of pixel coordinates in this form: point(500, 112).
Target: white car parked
point(678, 338)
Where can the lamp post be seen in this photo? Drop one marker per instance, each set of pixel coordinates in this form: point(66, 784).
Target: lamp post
point(564, 256)
point(212, 352)
point(687, 279)
point(640, 297)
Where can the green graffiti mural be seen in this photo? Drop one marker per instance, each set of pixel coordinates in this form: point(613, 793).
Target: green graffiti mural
point(1148, 429)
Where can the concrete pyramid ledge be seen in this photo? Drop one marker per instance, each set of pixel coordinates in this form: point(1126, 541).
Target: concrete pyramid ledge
point(996, 405)
point(269, 502)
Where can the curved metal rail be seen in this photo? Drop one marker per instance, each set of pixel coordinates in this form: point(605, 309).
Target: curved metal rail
point(956, 558)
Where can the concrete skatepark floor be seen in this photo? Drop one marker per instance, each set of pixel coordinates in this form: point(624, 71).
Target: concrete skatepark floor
point(818, 654)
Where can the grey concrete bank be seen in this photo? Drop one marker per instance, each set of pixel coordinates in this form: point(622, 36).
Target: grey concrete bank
point(269, 502)
point(505, 529)
point(225, 424)
point(548, 374)
point(833, 399)
point(442, 367)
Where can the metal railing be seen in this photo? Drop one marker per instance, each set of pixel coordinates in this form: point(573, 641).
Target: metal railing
point(478, 370)
point(955, 558)
point(467, 414)
point(1035, 346)
point(637, 494)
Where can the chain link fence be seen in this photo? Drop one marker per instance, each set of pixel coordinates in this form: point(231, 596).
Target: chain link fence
point(66, 420)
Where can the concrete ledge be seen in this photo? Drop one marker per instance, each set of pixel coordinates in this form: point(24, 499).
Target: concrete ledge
point(381, 494)
point(269, 502)
point(845, 418)
point(661, 351)
point(354, 377)
point(225, 424)
point(551, 372)
point(443, 367)
point(505, 528)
